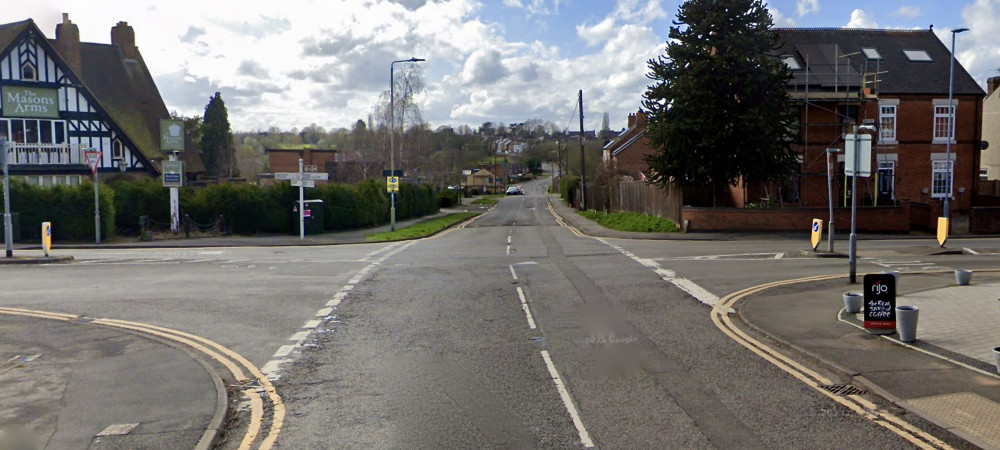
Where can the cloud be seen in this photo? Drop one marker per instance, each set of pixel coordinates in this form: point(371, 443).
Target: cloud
point(976, 49)
point(861, 19)
point(626, 12)
point(483, 67)
point(535, 7)
point(807, 6)
point(252, 69)
point(598, 32)
point(192, 34)
point(780, 20)
point(259, 28)
point(907, 12)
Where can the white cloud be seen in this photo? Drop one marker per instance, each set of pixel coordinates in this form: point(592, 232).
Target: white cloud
point(976, 49)
point(807, 6)
point(861, 19)
point(907, 12)
point(780, 20)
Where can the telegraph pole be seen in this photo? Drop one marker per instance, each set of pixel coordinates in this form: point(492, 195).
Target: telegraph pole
point(583, 164)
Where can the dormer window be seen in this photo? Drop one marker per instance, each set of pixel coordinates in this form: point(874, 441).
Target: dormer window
point(28, 72)
point(917, 55)
point(791, 62)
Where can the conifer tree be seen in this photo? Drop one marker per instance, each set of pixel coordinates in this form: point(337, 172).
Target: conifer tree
point(217, 140)
point(719, 111)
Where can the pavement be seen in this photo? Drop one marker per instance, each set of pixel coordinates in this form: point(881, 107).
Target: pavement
point(948, 376)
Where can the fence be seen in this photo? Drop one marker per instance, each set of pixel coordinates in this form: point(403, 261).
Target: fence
point(638, 197)
point(991, 187)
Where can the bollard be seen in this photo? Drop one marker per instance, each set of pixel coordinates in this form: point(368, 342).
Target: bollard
point(46, 237)
point(906, 322)
point(996, 356)
point(852, 302)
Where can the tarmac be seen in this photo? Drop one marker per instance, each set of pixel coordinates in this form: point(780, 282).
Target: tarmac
point(948, 376)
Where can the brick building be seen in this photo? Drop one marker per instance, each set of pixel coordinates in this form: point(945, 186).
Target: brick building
point(895, 83)
point(625, 154)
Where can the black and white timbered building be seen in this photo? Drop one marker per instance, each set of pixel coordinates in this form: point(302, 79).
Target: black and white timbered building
point(62, 97)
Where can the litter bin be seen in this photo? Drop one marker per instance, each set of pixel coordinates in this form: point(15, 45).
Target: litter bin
point(314, 218)
point(15, 227)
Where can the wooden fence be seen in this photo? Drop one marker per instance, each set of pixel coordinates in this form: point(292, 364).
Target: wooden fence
point(636, 196)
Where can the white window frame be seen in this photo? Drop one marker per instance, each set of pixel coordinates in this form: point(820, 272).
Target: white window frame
point(984, 174)
point(941, 178)
point(941, 114)
point(32, 68)
point(887, 113)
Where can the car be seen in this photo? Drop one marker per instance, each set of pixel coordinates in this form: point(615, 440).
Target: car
point(515, 190)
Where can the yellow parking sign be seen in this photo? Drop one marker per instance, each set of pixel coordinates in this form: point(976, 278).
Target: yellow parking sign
point(392, 184)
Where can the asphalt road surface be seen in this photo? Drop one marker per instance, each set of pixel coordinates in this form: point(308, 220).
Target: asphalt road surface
point(510, 332)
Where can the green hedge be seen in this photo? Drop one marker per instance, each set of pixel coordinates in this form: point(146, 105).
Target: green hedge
point(69, 208)
point(247, 209)
point(568, 187)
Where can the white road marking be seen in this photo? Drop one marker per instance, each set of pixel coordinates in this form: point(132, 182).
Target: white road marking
point(779, 255)
point(284, 351)
point(527, 311)
point(696, 291)
point(324, 312)
point(508, 249)
point(970, 251)
point(567, 401)
point(512, 273)
point(310, 324)
point(300, 336)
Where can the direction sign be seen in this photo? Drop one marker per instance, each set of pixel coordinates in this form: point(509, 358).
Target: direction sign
point(93, 160)
point(311, 168)
point(817, 233)
point(304, 183)
point(304, 176)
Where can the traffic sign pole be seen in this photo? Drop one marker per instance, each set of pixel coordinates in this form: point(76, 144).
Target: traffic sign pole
point(7, 233)
point(175, 203)
point(302, 205)
point(94, 159)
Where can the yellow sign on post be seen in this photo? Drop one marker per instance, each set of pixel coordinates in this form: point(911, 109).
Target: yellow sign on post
point(817, 233)
point(942, 231)
point(46, 237)
point(392, 184)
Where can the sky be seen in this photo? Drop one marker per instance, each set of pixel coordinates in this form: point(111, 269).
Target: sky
point(294, 63)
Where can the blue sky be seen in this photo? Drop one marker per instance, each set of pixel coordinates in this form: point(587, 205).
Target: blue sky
point(327, 61)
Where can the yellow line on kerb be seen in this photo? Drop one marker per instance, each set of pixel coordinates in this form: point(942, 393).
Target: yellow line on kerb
point(232, 361)
point(856, 403)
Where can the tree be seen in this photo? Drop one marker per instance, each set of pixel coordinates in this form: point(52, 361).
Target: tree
point(217, 140)
point(719, 111)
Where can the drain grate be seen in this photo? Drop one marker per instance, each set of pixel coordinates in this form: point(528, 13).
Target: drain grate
point(842, 389)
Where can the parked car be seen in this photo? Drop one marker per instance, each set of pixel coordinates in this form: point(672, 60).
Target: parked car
point(515, 190)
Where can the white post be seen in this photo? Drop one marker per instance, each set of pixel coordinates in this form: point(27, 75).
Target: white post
point(175, 204)
point(854, 210)
point(829, 193)
point(97, 209)
point(302, 204)
point(7, 233)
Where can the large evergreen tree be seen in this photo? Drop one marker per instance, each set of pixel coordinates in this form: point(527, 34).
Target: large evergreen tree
point(719, 111)
point(217, 140)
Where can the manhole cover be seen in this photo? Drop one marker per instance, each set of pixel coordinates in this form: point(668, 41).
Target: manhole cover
point(842, 389)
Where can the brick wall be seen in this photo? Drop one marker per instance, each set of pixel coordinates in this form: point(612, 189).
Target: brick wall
point(985, 220)
point(892, 219)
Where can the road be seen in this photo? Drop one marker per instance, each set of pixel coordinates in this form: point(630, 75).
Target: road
point(511, 331)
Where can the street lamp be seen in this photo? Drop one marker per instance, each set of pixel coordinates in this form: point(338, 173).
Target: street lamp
point(951, 122)
point(392, 132)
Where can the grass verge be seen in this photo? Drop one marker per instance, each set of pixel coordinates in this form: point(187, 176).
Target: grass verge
point(488, 200)
point(629, 221)
point(422, 229)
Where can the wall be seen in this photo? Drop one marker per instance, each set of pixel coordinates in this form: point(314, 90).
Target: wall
point(985, 220)
point(892, 219)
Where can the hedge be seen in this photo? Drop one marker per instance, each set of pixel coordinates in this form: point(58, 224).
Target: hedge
point(247, 209)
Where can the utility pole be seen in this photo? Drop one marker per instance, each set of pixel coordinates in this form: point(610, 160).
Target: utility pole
point(583, 162)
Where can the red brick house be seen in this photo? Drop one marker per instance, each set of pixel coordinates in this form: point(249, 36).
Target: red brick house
point(894, 82)
point(625, 154)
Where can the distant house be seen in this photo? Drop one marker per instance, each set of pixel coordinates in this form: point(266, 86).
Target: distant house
point(990, 166)
point(313, 159)
point(62, 97)
point(486, 180)
point(625, 154)
point(895, 83)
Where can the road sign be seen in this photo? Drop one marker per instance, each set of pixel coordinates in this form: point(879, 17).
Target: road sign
point(304, 183)
point(173, 173)
point(310, 168)
point(864, 164)
point(389, 173)
point(171, 135)
point(817, 233)
point(93, 160)
point(942, 230)
point(392, 184)
point(304, 176)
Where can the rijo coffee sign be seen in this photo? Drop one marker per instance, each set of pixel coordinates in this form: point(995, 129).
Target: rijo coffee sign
point(30, 102)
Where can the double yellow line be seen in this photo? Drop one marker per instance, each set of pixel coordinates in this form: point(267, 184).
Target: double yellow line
point(856, 403)
point(562, 222)
point(237, 365)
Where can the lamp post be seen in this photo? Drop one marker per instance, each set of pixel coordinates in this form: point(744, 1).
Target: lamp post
point(392, 132)
point(951, 122)
point(7, 233)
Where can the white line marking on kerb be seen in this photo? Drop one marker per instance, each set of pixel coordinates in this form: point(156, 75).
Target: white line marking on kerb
point(524, 306)
point(284, 351)
point(310, 324)
point(970, 251)
point(512, 273)
point(324, 312)
point(300, 336)
point(568, 401)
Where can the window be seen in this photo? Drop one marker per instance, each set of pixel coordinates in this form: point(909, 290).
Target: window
point(117, 150)
point(984, 174)
point(791, 62)
point(871, 53)
point(941, 178)
point(28, 72)
point(944, 123)
point(887, 122)
point(917, 55)
point(32, 131)
point(848, 114)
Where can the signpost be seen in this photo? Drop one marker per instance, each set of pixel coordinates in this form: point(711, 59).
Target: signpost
point(880, 303)
point(94, 160)
point(302, 179)
point(817, 233)
point(172, 140)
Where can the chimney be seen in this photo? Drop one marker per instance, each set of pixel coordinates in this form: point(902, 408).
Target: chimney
point(991, 85)
point(68, 43)
point(631, 120)
point(123, 36)
point(640, 119)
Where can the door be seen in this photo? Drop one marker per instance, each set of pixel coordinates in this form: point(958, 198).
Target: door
point(886, 180)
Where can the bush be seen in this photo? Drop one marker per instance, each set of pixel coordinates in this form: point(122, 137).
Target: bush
point(69, 208)
point(447, 198)
point(568, 187)
point(139, 197)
